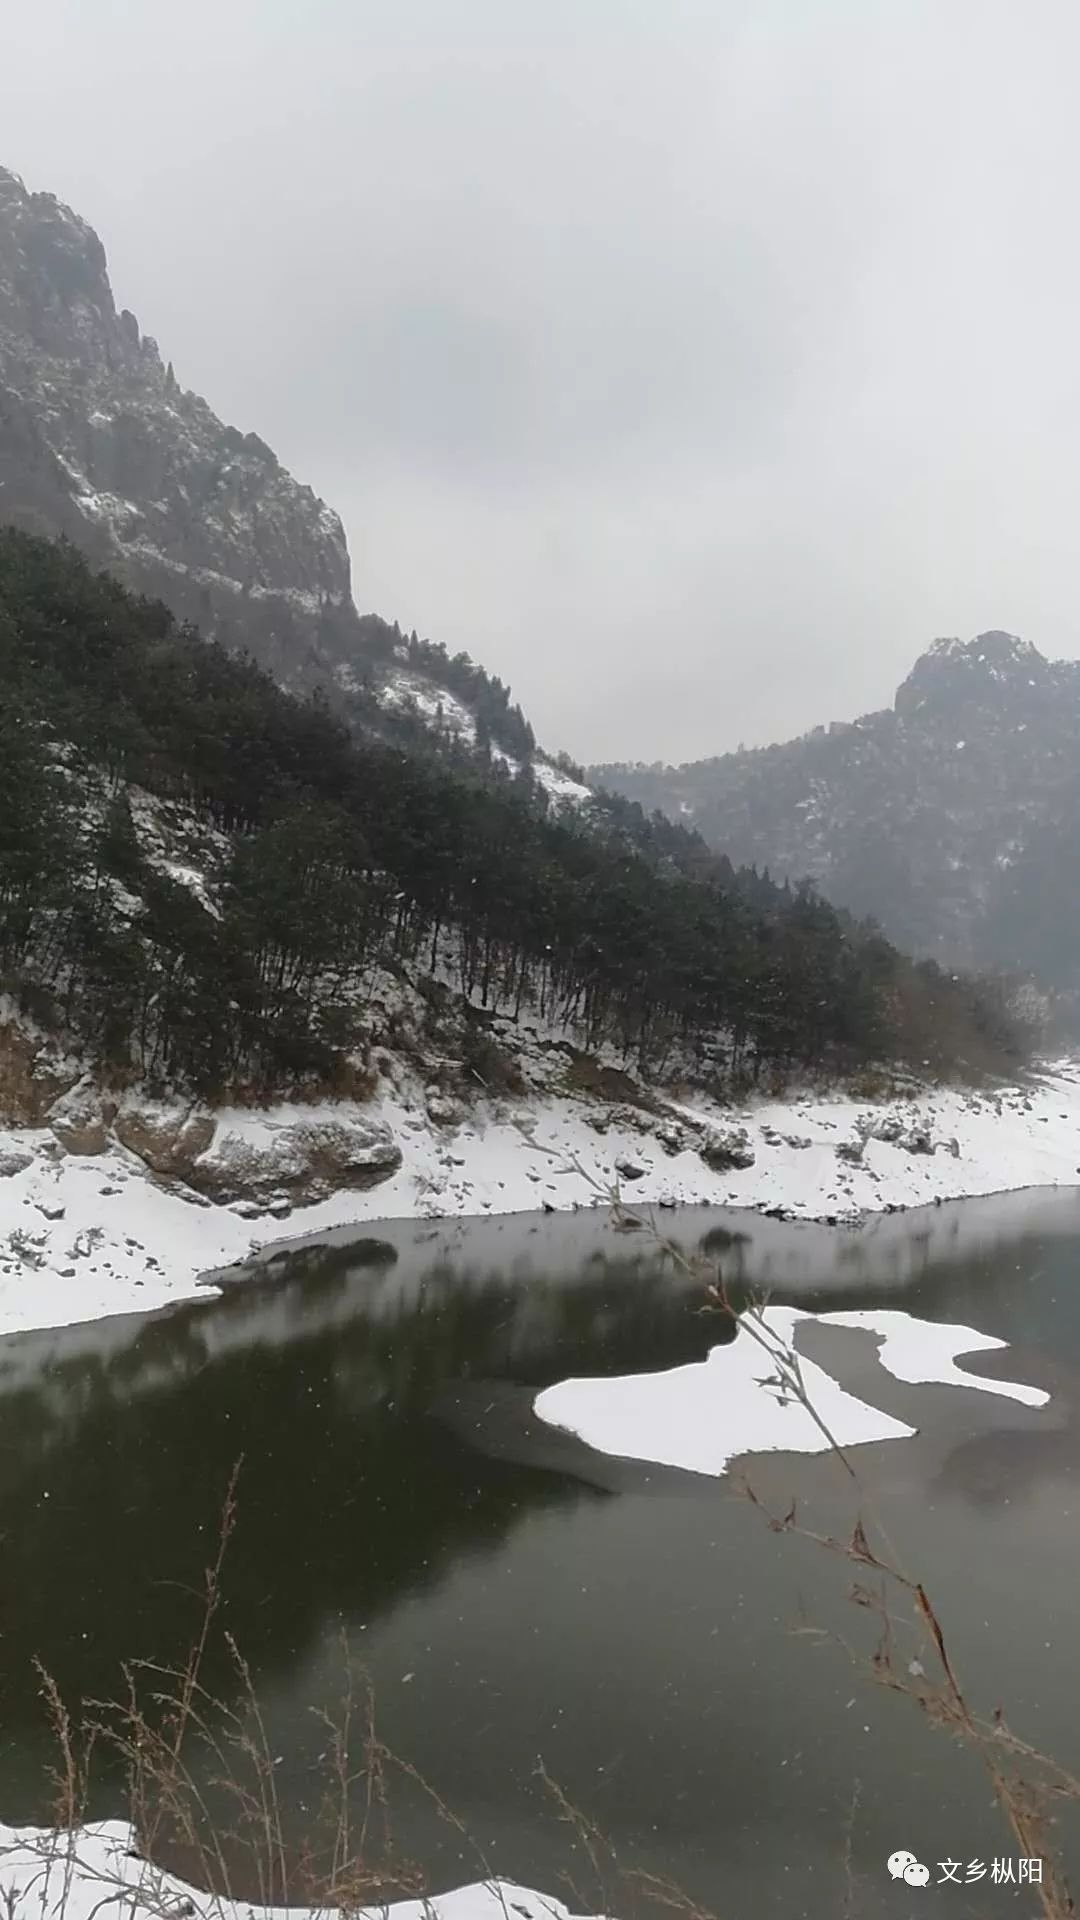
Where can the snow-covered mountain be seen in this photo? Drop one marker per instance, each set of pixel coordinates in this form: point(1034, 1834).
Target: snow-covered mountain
point(99, 442)
point(952, 817)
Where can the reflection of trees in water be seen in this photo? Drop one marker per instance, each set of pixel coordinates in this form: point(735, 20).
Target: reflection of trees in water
point(112, 1463)
point(351, 1496)
point(992, 1469)
point(319, 1263)
point(1008, 1287)
point(720, 1241)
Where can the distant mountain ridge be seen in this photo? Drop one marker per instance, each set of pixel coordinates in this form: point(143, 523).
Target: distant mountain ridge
point(952, 818)
point(100, 443)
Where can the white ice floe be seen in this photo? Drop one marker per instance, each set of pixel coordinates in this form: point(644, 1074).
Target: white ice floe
point(95, 1869)
point(702, 1416)
point(924, 1351)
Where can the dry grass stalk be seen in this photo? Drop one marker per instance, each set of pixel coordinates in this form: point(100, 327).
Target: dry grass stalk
point(202, 1786)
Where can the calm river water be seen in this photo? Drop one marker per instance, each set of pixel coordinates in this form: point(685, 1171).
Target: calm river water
point(515, 1599)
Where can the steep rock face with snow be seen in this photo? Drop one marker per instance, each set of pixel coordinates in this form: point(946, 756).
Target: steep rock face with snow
point(100, 443)
point(953, 817)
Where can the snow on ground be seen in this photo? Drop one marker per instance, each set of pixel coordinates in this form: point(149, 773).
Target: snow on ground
point(405, 688)
point(560, 789)
point(402, 688)
point(77, 1875)
point(87, 1235)
point(702, 1416)
point(559, 785)
point(194, 879)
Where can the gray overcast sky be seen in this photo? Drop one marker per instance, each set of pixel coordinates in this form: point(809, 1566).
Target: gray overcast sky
point(691, 363)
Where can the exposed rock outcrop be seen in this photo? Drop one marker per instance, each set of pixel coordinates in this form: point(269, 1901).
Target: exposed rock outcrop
point(302, 1161)
point(168, 1139)
point(722, 1149)
point(33, 1074)
point(99, 442)
point(79, 1120)
point(914, 1137)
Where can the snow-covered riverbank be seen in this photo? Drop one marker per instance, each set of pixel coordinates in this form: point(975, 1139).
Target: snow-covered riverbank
point(73, 1876)
point(85, 1235)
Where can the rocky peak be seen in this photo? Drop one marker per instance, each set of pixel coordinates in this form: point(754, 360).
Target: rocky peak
point(996, 675)
point(952, 819)
point(99, 442)
point(48, 234)
point(54, 284)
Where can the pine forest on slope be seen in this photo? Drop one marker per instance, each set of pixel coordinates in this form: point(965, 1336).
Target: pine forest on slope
point(313, 855)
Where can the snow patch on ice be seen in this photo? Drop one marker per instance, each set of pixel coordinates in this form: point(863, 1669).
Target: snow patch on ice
point(925, 1351)
point(702, 1416)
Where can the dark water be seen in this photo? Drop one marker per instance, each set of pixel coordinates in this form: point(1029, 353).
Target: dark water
point(515, 1599)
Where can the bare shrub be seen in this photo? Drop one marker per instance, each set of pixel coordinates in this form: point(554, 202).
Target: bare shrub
point(486, 1064)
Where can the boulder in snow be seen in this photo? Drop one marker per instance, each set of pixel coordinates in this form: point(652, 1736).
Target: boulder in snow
point(442, 1109)
point(726, 1148)
point(79, 1120)
point(917, 1140)
point(302, 1160)
point(168, 1139)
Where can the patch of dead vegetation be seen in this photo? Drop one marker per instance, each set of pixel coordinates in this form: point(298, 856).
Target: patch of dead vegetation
point(587, 1075)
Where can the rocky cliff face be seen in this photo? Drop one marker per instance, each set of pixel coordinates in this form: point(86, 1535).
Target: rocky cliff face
point(100, 443)
point(953, 818)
